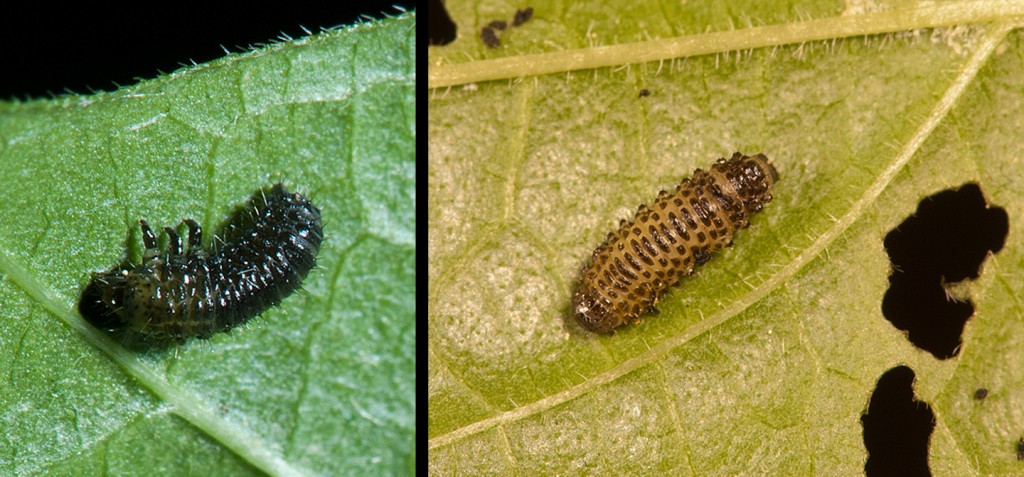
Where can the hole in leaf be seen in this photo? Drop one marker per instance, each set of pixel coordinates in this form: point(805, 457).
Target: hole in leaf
point(897, 427)
point(933, 252)
point(440, 29)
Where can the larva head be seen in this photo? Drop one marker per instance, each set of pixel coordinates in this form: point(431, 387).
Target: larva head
point(751, 177)
point(592, 312)
point(103, 299)
point(125, 297)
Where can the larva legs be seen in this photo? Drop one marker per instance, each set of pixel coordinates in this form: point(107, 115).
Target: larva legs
point(195, 234)
point(149, 240)
point(174, 244)
point(173, 241)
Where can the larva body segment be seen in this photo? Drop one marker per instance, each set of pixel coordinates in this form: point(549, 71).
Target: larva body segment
point(174, 295)
point(666, 240)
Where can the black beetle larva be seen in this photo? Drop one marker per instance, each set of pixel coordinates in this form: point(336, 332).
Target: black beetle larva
point(175, 294)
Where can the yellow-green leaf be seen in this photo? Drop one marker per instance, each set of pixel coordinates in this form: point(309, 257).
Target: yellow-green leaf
point(763, 361)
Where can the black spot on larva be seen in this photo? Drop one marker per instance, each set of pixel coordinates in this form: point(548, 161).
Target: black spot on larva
point(741, 185)
point(498, 24)
point(644, 93)
point(1020, 448)
point(980, 394)
point(268, 248)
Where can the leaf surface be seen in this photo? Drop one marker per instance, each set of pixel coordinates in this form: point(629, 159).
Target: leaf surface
point(763, 361)
point(322, 384)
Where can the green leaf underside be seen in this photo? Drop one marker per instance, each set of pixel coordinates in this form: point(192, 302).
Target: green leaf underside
point(763, 361)
point(322, 384)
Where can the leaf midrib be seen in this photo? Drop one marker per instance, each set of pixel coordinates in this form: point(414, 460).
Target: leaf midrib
point(187, 405)
point(925, 15)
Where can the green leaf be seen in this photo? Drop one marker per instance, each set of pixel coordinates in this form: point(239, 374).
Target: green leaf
point(322, 384)
point(763, 361)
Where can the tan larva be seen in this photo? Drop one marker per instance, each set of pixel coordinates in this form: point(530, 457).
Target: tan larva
point(666, 240)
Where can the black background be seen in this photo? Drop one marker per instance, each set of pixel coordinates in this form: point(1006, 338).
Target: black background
point(49, 49)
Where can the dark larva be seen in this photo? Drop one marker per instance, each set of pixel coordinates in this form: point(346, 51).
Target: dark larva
point(666, 240)
point(175, 295)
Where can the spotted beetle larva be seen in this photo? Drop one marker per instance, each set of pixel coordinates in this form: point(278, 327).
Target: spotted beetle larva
point(666, 240)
